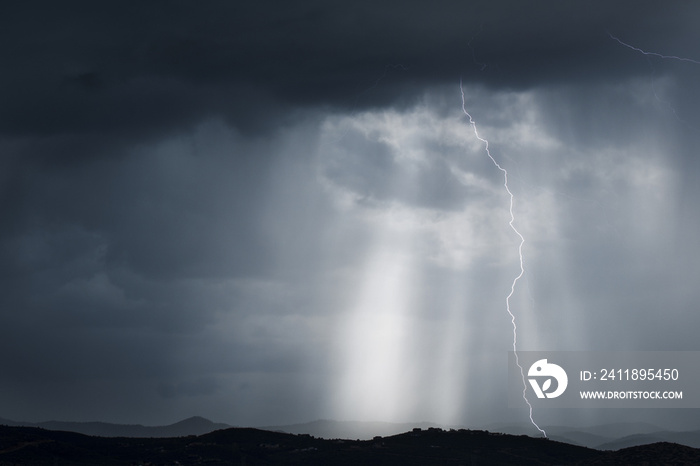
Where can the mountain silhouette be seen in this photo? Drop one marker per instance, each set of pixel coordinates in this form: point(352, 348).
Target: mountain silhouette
point(36, 446)
point(195, 425)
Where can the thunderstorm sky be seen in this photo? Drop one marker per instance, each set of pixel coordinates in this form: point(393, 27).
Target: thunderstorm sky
point(274, 212)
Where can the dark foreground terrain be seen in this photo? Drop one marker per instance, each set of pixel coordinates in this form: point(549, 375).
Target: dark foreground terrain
point(238, 446)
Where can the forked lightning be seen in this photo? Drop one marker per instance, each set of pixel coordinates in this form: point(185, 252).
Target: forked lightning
point(520, 254)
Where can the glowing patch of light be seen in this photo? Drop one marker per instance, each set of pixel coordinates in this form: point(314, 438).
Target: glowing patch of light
point(400, 358)
point(373, 385)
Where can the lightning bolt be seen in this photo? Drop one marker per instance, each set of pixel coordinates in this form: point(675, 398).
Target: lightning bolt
point(658, 55)
point(654, 54)
point(520, 254)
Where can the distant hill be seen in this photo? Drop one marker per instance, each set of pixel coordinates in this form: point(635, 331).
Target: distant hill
point(583, 439)
point(610, 431)
point(255, 447)
point(613, 436)
point(622, 435)
point(601, 435)
point(656, 453)
point(688, 438)
point(192, 426)
point(355, 430)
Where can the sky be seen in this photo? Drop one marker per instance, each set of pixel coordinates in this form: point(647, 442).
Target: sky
point(272, 212)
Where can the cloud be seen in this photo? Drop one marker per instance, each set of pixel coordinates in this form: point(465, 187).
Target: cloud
point(142, 72)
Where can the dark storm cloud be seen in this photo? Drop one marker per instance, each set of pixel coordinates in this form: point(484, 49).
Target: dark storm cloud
point(138, 69)
point(130, 205)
